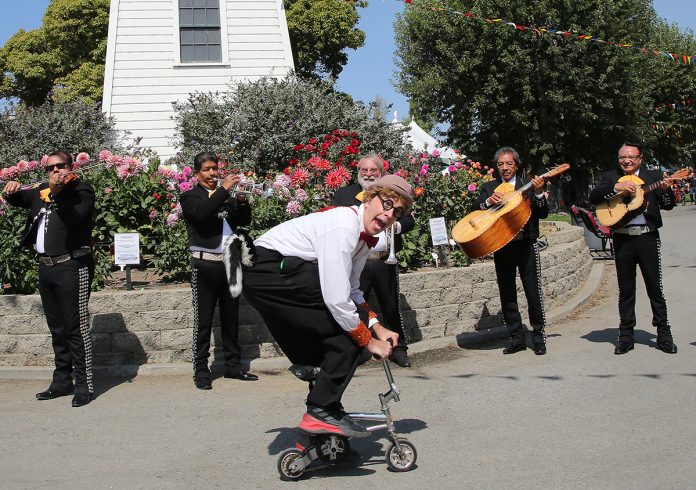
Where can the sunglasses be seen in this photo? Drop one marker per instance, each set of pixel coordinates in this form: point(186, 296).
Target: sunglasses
point(59, 166)
point(388, 204)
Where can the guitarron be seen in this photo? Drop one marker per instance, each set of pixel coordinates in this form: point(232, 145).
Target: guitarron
point(483, 232)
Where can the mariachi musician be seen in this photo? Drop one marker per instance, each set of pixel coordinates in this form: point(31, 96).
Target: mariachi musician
point(377, 274)
point(638, 243)
point(59, 227)
point(522, 253)
point(211, 215)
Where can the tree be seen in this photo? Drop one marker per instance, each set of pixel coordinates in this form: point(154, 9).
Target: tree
point(320, 31)
point(258, 123)
point(673, 115)
point(553, 98)
point(64, 58)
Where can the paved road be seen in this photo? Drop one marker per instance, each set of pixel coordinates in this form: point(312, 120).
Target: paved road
point(579, 417)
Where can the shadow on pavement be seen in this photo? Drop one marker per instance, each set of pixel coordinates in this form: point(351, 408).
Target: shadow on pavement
point(609, 335)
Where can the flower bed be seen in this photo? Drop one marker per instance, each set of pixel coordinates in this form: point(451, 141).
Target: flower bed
point(134, 193)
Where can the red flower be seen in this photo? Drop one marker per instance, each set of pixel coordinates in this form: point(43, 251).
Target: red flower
point(299, 177)
point(309, 148)
point(298, 147)
point(325, 146)
point(344, 133)
point(335, 132)
point(156, 196)
point(322, 153)
point(312, 140)
point(335, 139)
point(354, 143)
point(293, 161)
point(327, 137)
point(319, 163)
point(385, 165)
point(287, 170)
point(353, 134)
point(335, 178)
point(353, 164)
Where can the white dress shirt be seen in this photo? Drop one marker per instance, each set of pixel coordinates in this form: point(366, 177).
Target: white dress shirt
point(332, 239)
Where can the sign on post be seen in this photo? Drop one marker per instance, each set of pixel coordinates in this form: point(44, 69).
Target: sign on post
point(438, 231)
point(127, 248)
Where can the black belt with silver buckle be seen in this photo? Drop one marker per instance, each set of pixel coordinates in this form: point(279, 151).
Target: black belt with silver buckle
point(199, 254)
point(633, 230)
point(51, 260)
point(378, 255)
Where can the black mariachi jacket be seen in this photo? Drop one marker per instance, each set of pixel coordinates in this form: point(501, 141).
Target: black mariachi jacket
point(345, 196)
point(204, 215)
point(69, 218)
point(540, 207)
point(656, 199)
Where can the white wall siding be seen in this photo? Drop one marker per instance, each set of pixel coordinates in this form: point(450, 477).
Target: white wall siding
point(143, 76)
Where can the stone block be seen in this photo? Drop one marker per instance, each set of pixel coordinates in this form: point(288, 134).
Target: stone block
point(108, 323)
point(101, 342)
point(421, 299)
point(459, 327)
point(161, 357)
point(269, 349)
point(436, 315)
point(175, 340)
point(140, 341)
point(157, 320)
point(23, 359)
point(34, 344)
point(24, 324)
point(8, 343)
point(432, 331)
point(17, 304)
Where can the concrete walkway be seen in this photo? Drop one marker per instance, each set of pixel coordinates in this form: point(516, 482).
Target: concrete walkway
point(578, 417)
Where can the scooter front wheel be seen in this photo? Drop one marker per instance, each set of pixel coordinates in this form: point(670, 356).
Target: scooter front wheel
point(285, 461)
point(403, 458)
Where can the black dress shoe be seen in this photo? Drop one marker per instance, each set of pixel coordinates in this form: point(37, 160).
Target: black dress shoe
point(400, 358)
point(242, 376)
point(667, 346)
point(81, 399)
point(513, 348)
point(539, 348)
point(50, 394)
point(623, 347)
point(203, 382)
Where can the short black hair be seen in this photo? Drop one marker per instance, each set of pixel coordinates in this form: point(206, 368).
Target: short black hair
point(634, 145)
point(202, 157)
point(66, 156)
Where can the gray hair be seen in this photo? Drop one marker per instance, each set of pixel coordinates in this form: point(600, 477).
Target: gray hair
point(507, 150)
point(375, 157)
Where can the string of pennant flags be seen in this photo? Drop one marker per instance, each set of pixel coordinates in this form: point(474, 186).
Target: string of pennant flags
point(675, 105)
point(571, 35)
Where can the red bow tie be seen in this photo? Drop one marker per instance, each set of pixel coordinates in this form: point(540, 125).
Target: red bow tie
point(370, 240)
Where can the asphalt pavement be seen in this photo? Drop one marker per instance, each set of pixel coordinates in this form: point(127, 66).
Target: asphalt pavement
point(578, 418)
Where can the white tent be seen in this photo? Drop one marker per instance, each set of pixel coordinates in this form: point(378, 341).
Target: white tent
point(420, 140)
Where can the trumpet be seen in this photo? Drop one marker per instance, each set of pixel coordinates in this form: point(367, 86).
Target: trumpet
point(251, 189)
point(392, 253)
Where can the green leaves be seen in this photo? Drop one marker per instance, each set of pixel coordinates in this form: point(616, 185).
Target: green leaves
point(552, 98)
point(66, 53)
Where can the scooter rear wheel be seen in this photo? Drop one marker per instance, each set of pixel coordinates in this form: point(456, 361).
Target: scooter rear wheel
point(286, 459)
point(403, 460)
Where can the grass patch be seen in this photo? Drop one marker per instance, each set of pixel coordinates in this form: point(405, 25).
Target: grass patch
point(558, 217)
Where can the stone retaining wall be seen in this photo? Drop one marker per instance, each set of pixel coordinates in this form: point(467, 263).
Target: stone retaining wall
point(155, 326)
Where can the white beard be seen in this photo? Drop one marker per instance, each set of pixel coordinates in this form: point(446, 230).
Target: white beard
point(365, 182)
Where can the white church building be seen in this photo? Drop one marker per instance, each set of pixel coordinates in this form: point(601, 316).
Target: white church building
point(160, 51)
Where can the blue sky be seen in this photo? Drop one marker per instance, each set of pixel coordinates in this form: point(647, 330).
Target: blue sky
point(370, 69)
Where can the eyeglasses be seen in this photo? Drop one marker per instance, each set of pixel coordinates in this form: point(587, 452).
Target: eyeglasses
point(630, 158)
point(59, 166)
point(388, 204)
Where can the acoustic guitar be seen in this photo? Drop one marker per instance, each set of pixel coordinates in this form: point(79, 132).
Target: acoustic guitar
point(483, 232)
point(620, 208)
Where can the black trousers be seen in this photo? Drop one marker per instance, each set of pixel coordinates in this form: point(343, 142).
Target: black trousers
point(287, 294)
point(384, 279)
point(65, 290)
point(209, 287)
point(522, 255)
point(643, 251)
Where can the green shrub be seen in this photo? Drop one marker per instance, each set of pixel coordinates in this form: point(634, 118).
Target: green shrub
point(29, 132)
point(256, 124)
